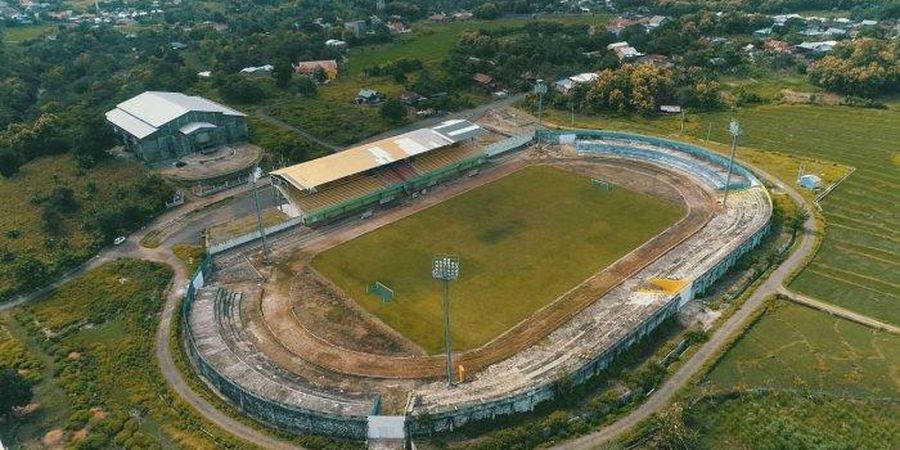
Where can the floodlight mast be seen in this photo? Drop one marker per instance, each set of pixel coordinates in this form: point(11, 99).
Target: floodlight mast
point(446, 269)
point(734, 128)
point(540, 89)
point(254, 178)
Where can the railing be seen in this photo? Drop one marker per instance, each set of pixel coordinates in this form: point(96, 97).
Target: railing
point(509, 144)
point(220, 247)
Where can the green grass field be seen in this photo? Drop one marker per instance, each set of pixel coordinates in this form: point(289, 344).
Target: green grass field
point(14, 35)
point(858, 266)
point(795, 347)
point(522, 241)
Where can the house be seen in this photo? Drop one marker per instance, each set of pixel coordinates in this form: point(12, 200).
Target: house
point(438, 17)
point(257, 70)
point(336, 43)
point(163, 125)
point(309, 67)
point(655, 22)
point(411, 98)
point(658, 61)
point(397, 27)
point(618, 24)
point(773, 45)
point(462, 16)
point(356, 27)
point(762, 32)
point(178, 45)
point(624, 51)
point(367, 96)
point(484, 80)
point(204, 74)
point(817, 47)
point(566, 85)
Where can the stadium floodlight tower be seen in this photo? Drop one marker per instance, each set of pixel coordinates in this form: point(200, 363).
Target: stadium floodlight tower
point(540, 88)
point(734, 129)
point(254, 180)
point(446, 269)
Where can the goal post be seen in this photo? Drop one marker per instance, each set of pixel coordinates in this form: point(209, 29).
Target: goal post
point(600, 184)
point(382, 291)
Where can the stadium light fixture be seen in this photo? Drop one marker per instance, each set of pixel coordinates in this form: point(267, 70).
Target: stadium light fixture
point(446, 269)
point(734, 129)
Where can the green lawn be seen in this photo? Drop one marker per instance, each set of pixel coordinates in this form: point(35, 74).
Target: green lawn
point(795, 347)
point(14, 35)
point(858, 266)
point(522, 241)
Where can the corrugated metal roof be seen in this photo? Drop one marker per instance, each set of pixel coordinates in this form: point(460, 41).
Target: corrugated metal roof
point(143, 114)
point(365, 157)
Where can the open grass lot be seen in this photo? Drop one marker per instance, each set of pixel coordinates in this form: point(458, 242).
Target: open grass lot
point(795, 347)
point(522, 240)
point(21, 229)
point(858, 266)
point(14, 35)
point(98, 386)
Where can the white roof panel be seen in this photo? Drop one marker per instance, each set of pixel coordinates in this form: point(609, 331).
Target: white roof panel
point(156, 109)
point(130, 124)
point(194, 126)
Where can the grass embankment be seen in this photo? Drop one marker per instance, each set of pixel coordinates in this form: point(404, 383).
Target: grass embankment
point(99, 384)
point(856, 267)
point(522, 241)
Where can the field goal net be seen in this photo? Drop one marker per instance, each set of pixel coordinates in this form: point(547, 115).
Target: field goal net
point(381, 290)
point(600, 184)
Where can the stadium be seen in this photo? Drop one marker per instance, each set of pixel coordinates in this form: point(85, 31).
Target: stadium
point(569, 246)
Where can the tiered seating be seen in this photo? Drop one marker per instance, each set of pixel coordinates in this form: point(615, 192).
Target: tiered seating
point(348, 189)
point(406, 171)
point(444, 157)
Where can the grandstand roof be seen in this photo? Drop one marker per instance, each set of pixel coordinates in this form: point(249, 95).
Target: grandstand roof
point(365, 157)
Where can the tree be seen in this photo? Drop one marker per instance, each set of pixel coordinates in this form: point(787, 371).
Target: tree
point(306, 86)
point(15, 392)
point(237, 89)
point(487, 11)
point(282, 74)
point(393, 110)
point(863, 67)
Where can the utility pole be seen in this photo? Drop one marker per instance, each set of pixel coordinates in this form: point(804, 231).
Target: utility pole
point(572, 117)
point(735, 130)
point(254, 179)
point(446, 269)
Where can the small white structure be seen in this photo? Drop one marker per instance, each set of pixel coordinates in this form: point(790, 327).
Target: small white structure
point(817, 47)
point(255, 70)
point(566, 85)
point(336, 43)
point(386, 432)
point(204, 74)
point(809, 181)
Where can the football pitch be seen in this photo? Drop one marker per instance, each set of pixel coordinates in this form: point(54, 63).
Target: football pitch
point(522, 241)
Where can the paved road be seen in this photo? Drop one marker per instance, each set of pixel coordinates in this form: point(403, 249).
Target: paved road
point(663, 395)
point(838, 311)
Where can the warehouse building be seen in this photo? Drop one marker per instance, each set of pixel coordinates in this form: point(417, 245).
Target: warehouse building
point(157, 126)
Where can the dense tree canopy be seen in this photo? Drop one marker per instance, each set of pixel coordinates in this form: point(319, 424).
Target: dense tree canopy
point(863, 67)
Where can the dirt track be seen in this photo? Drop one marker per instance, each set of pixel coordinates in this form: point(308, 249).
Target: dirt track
point(286, 332)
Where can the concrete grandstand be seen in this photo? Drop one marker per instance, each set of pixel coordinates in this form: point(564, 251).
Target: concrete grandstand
point(285, 374)
point(380, 171)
